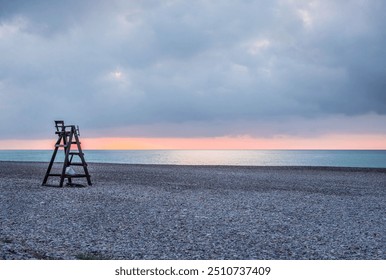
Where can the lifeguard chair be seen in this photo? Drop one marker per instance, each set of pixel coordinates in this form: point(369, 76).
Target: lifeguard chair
point(68, 135)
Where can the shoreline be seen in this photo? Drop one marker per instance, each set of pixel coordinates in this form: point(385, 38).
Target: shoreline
point(140, 211)
point(295, 167)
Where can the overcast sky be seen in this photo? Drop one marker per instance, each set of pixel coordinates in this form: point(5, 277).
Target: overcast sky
point(193, 68)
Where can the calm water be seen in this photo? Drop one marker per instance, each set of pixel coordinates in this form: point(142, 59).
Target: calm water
point(344, 158)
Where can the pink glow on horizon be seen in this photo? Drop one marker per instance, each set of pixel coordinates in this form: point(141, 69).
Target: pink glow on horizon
point(355, 142)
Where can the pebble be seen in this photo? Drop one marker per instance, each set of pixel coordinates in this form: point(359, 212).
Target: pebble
point(194, 212)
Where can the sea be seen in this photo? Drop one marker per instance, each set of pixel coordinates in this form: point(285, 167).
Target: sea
point(333, 158)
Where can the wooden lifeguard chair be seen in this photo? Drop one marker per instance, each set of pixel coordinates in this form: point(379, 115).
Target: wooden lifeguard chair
point(68, 135)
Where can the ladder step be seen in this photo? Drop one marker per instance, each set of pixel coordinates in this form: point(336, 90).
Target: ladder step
point(74, 142)
point(69, 176)
point(78, 164)
point(65, 145)
point(75, 153)
point(75, 176)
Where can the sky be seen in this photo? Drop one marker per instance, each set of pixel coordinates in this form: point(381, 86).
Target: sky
point(171, 74)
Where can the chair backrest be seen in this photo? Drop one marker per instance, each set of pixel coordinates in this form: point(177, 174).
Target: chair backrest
point(59, 125)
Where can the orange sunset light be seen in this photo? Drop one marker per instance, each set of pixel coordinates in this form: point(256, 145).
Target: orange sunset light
point(327, 142)
point(244, 142)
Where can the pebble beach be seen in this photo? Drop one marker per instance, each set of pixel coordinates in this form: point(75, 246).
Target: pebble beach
point(162, 212)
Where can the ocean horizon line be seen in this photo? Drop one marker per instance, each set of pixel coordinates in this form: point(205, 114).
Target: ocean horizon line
point(166, 149)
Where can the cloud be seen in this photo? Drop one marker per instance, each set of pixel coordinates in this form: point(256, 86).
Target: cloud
point(191, 68)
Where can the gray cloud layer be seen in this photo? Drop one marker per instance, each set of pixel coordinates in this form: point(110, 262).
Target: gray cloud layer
point(192, 68)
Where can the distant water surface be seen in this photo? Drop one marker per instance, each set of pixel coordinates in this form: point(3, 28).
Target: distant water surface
point(339, 158)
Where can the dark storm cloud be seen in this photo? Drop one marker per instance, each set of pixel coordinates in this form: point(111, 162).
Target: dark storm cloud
point(192, 68)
